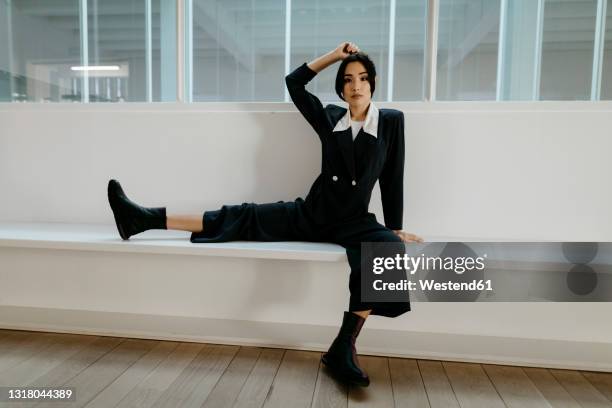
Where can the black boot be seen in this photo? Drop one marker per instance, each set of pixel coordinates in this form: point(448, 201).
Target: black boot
point(131, 218)
point(341, 358)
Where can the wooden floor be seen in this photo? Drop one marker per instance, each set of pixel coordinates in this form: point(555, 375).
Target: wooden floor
point(120, 372)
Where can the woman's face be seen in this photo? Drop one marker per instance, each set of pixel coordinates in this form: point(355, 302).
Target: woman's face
point(356, 89)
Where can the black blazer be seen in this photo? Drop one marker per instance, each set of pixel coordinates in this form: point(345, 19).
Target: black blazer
point(343, 189)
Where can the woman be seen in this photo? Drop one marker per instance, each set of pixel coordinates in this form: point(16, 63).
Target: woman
point(360, 145)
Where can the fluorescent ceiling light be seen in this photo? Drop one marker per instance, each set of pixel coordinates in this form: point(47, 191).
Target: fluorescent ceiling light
point(96, 68)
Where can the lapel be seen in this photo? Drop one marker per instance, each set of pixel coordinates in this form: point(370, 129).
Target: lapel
point(345, 141)
point(366, 147)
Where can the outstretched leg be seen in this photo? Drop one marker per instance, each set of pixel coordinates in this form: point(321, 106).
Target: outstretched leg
point(127, 213)
point(192, 223)
point(278, 221)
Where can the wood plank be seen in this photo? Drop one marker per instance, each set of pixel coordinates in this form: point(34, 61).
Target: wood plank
point(329, 392)
point(471, 385)
point(550, 388)
point(579, 388)
point(72, 366)
point(439, 391)
point(148, 391)
point(379, 393)
point(89, 382)
point(108, 371)
point(45, 360)
point(194, 384)
point(77, 363)
point(601, 381)
point(133, 376)
point(259, 383)
point(231, 382)
point(295, 380)
point(24, 348)
point(515, 388)
point(408, 388)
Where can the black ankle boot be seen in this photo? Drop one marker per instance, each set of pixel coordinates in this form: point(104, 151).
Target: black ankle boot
point(341, 358)
point(131, 218)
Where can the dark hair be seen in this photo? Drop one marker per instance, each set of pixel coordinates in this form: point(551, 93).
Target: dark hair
point(367, 63)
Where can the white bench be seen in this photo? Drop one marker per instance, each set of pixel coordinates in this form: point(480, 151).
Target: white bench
point(84, 278)
point(105, 238)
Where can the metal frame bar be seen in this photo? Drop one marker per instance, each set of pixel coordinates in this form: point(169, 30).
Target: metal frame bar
point(431, 51)
point(390, 68)
point(252, 48)
point(287, 43)
point(537, 66)
point(148, 51)
point(598, 50)
point(188, 50)
point(167, 46)
point(501, 49)
point(96, 50)
point(11, 61)
point(84, 49)
point(180, 51)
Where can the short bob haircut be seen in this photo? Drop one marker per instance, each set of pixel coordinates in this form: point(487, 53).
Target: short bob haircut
point(367, 63)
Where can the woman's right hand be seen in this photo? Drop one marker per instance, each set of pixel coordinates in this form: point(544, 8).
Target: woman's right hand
point(345, 49)
point(341, 52)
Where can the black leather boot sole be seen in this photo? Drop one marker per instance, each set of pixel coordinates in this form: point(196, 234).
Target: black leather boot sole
point(114, 190)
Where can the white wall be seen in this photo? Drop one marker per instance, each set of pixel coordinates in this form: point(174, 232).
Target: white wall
point(473, 170)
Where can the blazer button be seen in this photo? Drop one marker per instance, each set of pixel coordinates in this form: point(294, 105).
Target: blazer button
point(335, 178)
point(354, 183)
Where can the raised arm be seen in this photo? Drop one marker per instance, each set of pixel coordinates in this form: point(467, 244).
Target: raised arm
point(308, 104)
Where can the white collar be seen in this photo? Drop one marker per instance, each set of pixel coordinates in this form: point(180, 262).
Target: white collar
point(370, 125)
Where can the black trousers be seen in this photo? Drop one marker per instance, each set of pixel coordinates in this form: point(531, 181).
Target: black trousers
point(288, 221)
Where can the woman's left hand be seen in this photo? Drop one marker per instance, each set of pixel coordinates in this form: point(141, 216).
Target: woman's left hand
point(408, 237)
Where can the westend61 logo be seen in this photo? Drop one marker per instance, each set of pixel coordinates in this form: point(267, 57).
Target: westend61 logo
point(412, 264)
